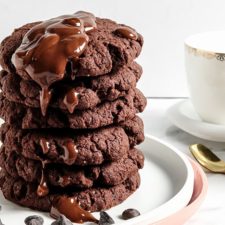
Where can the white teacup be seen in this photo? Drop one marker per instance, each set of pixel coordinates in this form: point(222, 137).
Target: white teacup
point(205, 68)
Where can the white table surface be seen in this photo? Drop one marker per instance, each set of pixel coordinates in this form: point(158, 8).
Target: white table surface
point(212, 211)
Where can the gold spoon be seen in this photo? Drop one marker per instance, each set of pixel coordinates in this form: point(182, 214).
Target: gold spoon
point(207, 158)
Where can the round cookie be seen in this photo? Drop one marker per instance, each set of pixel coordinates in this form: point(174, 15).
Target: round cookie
point(93, 147)
point(104, 114)
point(93, 199)
point(90, 91)
point(107, 174)
point(105, 49)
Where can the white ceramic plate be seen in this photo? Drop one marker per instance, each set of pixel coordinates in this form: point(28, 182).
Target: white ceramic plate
point(184, 116)
point(167, 186)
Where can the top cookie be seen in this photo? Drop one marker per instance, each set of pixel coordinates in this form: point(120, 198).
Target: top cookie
point(105, 49)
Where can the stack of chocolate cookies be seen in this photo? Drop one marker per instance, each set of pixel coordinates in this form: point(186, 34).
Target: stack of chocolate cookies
point(69, 101)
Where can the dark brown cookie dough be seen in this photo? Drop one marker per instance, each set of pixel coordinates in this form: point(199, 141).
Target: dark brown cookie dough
point(107, 174)
point(93, 147)
point(106, 49)
point(104, 114)
point(91, 91)
point(93, 199)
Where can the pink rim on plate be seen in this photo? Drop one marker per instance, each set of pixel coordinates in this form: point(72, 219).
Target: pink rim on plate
point(199, 193)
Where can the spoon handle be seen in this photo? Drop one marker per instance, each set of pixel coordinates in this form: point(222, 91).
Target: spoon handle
point(214, 169)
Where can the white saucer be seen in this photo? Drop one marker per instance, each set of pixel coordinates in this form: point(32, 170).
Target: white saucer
point(184, 116)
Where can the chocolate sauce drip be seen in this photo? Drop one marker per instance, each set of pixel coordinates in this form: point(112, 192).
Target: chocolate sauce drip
point(46, 49)
point(43, 189)
point(45, 145)
point(69, 207)
point(70, 152)
point(45, 97)
point(127, 32)
point(71, 100)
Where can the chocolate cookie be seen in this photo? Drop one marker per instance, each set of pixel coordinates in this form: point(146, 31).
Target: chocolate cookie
point(92, 147)
point(93, 199)
point(107, 174)
point(90, 91)
point(104, 114)
point(106, 49)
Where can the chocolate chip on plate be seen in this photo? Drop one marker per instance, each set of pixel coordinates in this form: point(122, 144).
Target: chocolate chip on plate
point(62, 220)
point(105, 219)
point(130, 213)
point(34, 220)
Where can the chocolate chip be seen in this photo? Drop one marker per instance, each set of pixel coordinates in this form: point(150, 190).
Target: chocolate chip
point(1, 222)
point(34, 220)
point(62, 220)
point(130, 213)
point(105, 219)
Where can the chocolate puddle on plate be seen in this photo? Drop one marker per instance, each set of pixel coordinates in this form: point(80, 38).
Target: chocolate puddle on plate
point(69, 207)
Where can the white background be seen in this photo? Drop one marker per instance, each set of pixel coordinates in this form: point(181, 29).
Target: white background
point(163, 23)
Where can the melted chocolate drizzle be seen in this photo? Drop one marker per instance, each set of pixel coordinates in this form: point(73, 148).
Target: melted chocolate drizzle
point(43, 189)
point(69, 207)
point(70, 152)
point(127, 32)
point(70, 155)
point(45, 145)
point(71, 100)
point(48, 47)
